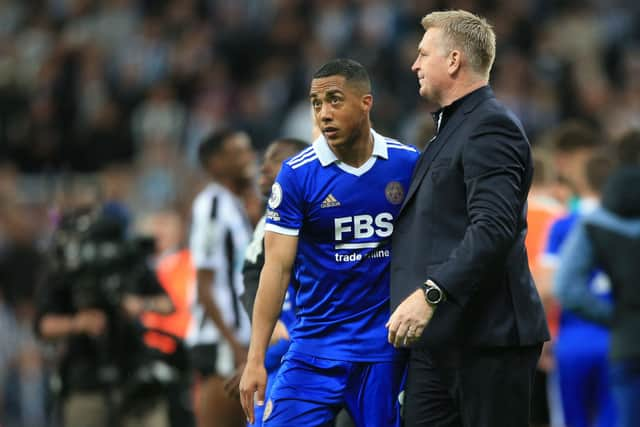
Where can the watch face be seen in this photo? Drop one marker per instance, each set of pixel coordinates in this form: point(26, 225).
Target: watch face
point(433, 295)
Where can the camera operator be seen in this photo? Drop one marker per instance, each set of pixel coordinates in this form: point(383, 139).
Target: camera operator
point(99, 286)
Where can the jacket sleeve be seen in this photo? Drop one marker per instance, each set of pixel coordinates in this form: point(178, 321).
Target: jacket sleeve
point(571, 283)
point(496, 164)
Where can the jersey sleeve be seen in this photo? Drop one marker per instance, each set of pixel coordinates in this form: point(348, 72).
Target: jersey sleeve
point(207, 234)
point(285, 206)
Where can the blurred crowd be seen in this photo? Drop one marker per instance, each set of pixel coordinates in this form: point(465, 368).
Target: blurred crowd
point(108, 100)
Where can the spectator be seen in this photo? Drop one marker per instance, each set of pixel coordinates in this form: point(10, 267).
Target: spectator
point(543, 210)
point(220, 231)
point(104, 353)
point(609, 238)
point(581, 346)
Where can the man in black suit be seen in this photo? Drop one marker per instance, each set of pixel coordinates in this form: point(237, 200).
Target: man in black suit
point(464, 299)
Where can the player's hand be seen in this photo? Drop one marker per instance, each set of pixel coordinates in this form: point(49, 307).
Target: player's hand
point(252, 384)
point(409, 319)
point(133, 305)
point(546, 362)
point(232, 385)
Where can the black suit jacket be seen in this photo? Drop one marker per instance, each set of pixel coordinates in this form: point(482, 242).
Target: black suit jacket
point(463, 225)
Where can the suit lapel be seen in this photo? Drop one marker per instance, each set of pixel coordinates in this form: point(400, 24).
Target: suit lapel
point(430, 153)
point(437, 144)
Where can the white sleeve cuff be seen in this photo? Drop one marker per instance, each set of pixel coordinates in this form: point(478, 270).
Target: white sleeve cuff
point(281, 230)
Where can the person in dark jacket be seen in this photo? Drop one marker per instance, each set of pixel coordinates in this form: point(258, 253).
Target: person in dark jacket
point(462, 295)
point(610, 238)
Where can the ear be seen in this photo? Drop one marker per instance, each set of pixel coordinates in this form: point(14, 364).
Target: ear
point(454, 61)
point(315, 131)
point(367, 102)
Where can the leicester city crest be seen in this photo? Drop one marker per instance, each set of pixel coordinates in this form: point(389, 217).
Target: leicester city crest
point(394, 192)
point(276, 196)
point(267, 410)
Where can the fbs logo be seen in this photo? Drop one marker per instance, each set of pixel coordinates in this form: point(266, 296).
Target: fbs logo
point(330, 202)
point(363, 227)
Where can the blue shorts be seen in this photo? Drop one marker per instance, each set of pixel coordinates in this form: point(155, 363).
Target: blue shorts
point(309, 391)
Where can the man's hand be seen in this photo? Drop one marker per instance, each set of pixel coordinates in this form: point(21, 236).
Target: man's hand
point(91, 322)
point(133, 305)
point(408, 321)
point(546, 362)
point(252, 383)
point(231, 386)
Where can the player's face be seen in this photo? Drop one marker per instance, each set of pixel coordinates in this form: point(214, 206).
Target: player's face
point(339, 109)
point(431, 65)
point(273, 158)
point(238, 158)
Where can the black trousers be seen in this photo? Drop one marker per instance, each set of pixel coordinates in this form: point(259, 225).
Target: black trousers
point(470, 388)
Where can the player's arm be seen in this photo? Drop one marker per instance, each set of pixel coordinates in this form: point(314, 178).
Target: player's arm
point(205, 277)
point(274, 279)
point(280, 252)
point(90, 322)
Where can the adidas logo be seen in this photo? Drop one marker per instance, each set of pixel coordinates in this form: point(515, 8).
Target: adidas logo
point(330, 202)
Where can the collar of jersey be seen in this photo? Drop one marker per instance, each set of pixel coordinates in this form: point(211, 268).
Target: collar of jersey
point(327, 157)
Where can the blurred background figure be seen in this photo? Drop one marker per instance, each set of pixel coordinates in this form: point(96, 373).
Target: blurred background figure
point(23, 268)
point(545, 206)
point(97, 287)
point(609, 238)
point(219, 330)
point(580, 347)
point(174, 267)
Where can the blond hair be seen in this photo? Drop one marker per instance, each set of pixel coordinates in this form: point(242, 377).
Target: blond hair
point(471, 34)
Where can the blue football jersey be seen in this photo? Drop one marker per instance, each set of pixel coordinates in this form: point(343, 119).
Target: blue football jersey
point(599, 282)
point(343, 217)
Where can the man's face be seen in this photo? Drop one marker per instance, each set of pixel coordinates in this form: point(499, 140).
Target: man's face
point(570, 166)
point(237, 157)
point(274, 156)
point(340, 110)
point(431, 65)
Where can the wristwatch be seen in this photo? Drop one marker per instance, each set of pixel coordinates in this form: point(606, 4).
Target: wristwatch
point(432, 293)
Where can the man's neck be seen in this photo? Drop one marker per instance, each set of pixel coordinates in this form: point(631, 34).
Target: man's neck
point(357, 153)
point(230, 185)
point(460, 90)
